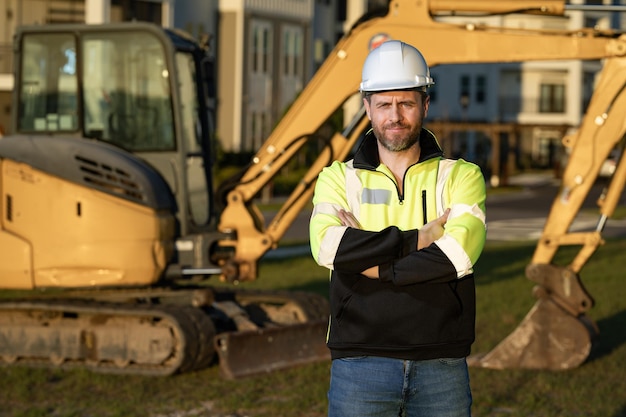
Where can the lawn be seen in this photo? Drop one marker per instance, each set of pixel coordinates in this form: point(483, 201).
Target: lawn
point(504, 297)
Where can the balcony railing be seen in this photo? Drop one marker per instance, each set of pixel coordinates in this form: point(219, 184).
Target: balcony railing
point(512, 106)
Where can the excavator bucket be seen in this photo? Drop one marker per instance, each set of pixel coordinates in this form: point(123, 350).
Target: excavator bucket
point(549, 338)
point(253, 352)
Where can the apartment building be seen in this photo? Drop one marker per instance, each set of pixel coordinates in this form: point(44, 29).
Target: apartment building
point(533, 103)
point(264, 52)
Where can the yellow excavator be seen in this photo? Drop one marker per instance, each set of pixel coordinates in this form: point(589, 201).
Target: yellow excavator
point(110, 228)
point(109, 220)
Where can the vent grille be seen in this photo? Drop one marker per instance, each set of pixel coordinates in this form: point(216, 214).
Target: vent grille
point(110, 179)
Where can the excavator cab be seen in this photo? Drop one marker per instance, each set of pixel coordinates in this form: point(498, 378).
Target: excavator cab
point(146, 90)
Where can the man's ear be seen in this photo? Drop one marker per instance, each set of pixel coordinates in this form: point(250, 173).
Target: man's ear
point(426, 103)
point(367, 107)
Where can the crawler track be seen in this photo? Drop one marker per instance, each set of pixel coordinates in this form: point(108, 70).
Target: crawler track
point(105, 337)
point(163, 331)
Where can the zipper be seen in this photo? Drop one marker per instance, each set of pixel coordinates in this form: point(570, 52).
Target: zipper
point(424, 214)
point(395, 185)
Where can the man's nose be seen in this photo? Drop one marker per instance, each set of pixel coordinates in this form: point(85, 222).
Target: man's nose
point(396, 114)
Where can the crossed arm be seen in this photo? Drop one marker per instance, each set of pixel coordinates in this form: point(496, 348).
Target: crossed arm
point(430, 232)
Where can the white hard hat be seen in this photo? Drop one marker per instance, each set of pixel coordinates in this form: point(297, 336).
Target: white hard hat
point(394, 65)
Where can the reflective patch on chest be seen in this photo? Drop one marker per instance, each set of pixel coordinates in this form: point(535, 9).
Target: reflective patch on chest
point(375, 196)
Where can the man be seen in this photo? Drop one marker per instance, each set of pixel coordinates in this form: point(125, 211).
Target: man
point(401, 228)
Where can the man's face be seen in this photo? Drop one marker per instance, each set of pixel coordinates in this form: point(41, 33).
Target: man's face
point(397, 117)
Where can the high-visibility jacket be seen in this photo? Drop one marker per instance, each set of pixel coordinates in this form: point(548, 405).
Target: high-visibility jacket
point(423, 304)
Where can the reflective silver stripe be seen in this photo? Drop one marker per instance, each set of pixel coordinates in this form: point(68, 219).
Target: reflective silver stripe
point(353, 190)
point(445, 166)
point(457, 255)
point(332, 237)
point(326, 208)
point(376, 196)
point(448, 245)
point(473, 210)
point(329, 246)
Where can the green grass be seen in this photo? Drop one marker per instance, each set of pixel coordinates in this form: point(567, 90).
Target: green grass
point(504, 297)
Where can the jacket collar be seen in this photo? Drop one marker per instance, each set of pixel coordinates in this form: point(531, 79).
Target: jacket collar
point(366, 156)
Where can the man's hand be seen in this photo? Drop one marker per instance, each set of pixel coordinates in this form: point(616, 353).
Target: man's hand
point(431, 231)
point(371, 273)
point(348, 219)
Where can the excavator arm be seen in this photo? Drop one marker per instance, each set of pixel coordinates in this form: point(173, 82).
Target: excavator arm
point(556, 333)
point(558, 315)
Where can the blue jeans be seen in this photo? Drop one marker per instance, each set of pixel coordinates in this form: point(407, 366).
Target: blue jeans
point(371, 386)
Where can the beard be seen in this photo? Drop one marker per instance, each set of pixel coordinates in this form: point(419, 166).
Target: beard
point(397, 143)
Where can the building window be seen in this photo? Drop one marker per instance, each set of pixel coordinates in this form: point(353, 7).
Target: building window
point(255, 50)
point(588, 88)
point(297, 54)
point(342, 10)
point(292, 52)
point(266, 50)
point(464, 97)
point(258, 130)
point(552, 98)
point(481, 87)
point(432, 93)
point(287, 52)
point(260, 84)
point(261, 48)
point(432, 90)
